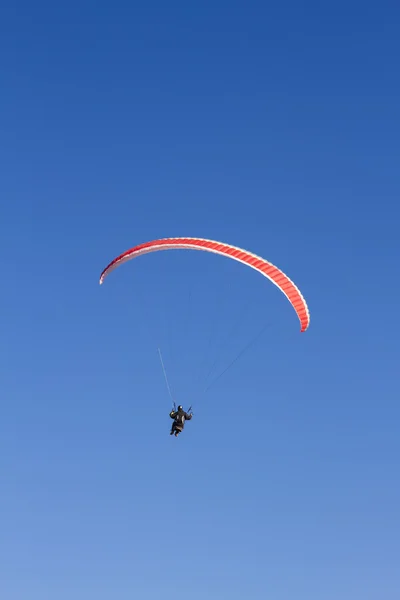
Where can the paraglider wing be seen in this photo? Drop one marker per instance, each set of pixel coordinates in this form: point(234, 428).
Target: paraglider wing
point(267, 269)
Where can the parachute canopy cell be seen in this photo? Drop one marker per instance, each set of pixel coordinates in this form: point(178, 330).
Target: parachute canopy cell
point(267, 269)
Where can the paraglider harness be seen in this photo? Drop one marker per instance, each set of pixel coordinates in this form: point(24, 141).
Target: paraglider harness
point(179, 420)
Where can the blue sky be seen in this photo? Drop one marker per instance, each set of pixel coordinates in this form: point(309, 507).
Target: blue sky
point(275, 128)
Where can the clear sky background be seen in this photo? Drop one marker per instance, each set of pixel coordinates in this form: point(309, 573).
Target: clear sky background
point(270, 126)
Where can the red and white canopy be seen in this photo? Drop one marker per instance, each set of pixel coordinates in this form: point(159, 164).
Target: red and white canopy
point(267, 269)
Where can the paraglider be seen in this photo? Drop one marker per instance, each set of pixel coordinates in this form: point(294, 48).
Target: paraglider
point(270, 271)
point(179, 416)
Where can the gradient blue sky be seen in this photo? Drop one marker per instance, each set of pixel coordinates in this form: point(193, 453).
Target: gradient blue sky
point(274, 127)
